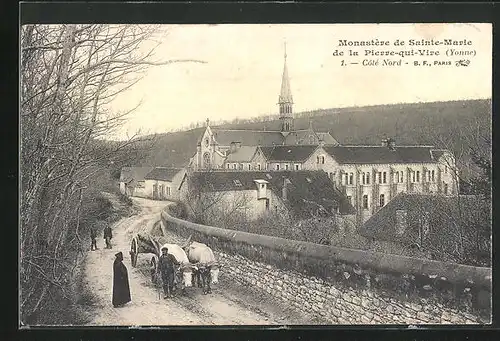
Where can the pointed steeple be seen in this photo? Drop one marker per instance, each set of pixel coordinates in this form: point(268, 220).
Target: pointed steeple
point(285, 101)
point(286, 92)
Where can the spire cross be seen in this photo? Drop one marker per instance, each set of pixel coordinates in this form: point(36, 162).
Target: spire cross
point(285, 49)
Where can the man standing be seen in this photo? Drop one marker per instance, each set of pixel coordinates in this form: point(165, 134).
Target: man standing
point(93, 236)
point(121, 289)
point(108, 235)
point(167, 263)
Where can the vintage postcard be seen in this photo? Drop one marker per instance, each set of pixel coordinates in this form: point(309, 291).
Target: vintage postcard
point(256, 174)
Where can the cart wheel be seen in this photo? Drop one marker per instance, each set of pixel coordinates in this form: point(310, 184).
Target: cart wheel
point(133, 253)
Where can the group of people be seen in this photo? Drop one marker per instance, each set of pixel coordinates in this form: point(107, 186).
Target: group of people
point(121, 288)
point(108, 235)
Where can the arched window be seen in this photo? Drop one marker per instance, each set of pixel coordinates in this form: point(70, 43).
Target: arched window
point(206, 160)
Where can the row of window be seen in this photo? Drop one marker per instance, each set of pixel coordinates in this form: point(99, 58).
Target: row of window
point(241, 166)
point(348, 178)
point(381, 177)
point(365, 202)
point(163, 190)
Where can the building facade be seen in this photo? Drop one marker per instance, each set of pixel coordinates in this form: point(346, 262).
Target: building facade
point(163, 183)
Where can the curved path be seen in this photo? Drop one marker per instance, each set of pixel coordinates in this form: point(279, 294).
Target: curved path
point(229, 304)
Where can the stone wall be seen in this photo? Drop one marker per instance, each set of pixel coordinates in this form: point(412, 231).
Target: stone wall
point(347, 285)
point(339, 304)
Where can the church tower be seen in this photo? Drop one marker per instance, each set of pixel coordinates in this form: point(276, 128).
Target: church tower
point(285, 102)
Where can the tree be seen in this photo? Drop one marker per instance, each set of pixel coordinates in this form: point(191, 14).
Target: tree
point(69, 75)
point(208, 206)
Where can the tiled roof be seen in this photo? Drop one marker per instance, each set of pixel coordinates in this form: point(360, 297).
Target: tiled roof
point(243, 154)
point(307, 190)
point(248, 137)
point(327, 138)
point(162, 173)
point(288, 153)
point(134, 174)
point(380, 155)
point(445, 212)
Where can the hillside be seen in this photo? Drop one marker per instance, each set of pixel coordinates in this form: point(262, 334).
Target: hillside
point(416, 123)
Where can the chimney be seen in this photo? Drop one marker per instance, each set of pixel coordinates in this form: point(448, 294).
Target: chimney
point(391, 143)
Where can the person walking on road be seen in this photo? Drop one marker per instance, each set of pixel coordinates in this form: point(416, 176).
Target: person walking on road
point(108, 235)
point(167, 264)
point(93, 237)
point(121, 289)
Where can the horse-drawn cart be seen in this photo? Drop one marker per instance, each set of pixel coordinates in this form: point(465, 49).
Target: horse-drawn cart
point(150, 241)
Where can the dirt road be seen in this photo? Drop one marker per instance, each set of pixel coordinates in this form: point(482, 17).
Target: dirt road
point(229, 304)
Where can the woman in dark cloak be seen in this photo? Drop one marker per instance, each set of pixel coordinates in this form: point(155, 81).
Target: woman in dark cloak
point(121, 289)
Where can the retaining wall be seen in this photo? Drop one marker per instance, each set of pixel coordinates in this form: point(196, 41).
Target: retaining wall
point(347, 285)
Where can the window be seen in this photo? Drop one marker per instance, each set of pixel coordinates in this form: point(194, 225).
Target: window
point(382, 200)
point(297, 167)
point(432, 175)
point(206, 142)
point(379, 177)
point(168, 190)
point(286, 167)
point(262, 186)
point(413, 176)
point(364, 178)
point(418, 176)
point(206, 160)
point(384, 179)
point(228, 166)
point(445, 188)
point(349, 199)
point(320, 159)
point(401, 176)
point(237, 183)
point(351, 178)
point(277, 167)
point(446, 169)
point(267, 204)
point(240, 166)
point(258, 166)
point(249, 167)
point(234, 165)
point(365, 202)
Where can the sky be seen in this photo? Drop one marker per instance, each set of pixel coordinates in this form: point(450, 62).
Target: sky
point(241, 76)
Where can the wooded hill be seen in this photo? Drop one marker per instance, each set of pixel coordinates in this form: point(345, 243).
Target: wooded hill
point(442, 124)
